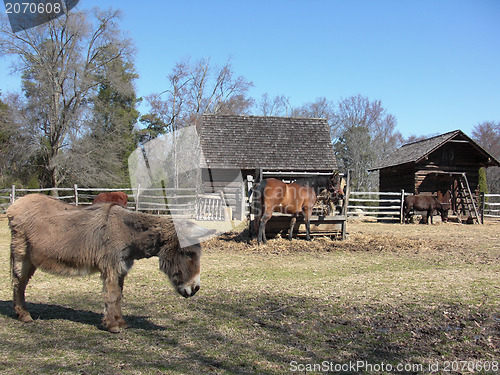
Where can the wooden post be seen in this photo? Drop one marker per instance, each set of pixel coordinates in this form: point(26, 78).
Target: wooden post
point(242, 202)
point(137, 197)
point(401, 210)
point(482, 207)
point(346, 203)
point(13, 194)
point(75, 187)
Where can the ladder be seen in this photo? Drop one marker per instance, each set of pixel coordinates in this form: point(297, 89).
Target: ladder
point(467, 200)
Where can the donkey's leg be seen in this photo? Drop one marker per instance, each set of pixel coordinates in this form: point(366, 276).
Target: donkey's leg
point(22, 270)
point(292, 225)
point(118, 312)
point(112, 300)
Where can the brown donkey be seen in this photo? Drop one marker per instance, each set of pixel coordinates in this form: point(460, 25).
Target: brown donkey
point(66, 240)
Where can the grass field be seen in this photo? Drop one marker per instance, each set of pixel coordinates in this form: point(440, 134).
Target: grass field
point(421, 296)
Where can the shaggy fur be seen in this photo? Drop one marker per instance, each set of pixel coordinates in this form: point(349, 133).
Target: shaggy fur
point(67, 240)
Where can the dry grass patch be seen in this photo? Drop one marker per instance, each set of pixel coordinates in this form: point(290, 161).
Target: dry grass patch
point(390, 293)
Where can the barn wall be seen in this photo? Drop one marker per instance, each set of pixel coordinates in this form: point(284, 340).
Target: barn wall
point(456, 157)
point(396, 178)
point(228, 181)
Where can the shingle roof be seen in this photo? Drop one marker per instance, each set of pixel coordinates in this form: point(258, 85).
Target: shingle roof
point(417, 151)
point(248, 142)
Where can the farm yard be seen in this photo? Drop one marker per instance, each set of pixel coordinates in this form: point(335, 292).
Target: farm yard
point(415, 295)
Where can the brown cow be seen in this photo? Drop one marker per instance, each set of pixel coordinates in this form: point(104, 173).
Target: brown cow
point(118, 197)
point(67, 240)
point(424, 203)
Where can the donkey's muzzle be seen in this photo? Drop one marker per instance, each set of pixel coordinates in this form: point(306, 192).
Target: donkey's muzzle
point(189, 290)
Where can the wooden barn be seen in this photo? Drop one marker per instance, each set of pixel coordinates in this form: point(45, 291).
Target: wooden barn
point(446, 166)
point(261, 147)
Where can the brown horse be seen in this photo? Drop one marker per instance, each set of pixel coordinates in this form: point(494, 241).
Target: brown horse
point(297, 198)
point(423, 203)
point(118, 197)
point(67, 240)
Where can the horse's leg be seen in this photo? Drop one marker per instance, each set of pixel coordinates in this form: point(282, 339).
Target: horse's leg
point(307, 218)
point(308, 228)
point(429, 215)
point(406, 213)
point(292, 225)
point(262, 228)
point(112, 299)
point(22, 269)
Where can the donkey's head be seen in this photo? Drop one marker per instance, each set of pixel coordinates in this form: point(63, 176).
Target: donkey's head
point(182, 266)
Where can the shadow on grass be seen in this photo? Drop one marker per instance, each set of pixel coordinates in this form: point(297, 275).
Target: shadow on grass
point(46, 312)
point(228, 332)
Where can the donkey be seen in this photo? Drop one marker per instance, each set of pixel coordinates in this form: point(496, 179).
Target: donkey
point(424, 203)
point(66, 240)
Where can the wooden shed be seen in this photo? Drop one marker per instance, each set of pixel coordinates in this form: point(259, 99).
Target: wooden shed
point(261, 147)
point(437, 165)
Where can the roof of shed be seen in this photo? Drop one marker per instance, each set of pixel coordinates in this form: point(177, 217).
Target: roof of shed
point(416, 151)
point(277, 143)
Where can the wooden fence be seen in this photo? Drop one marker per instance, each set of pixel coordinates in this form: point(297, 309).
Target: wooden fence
point(389, 206)
point(188, 203)
point(491, 206)
point(382, 206)
point(176, 202)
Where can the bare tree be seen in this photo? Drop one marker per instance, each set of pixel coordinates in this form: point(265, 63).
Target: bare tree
point(487, 135)
point(198, 88)
point(194, 89)
point(366, 134)
point(320, 108)
point(277, 106)
point(62, 63)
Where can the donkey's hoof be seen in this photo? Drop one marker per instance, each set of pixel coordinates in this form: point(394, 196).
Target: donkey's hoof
point(114, 329)
point(26, 318)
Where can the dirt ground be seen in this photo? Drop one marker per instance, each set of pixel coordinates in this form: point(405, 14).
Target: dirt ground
point(469, 241)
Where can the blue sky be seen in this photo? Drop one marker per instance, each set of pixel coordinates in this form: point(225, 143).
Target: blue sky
point(433, 64)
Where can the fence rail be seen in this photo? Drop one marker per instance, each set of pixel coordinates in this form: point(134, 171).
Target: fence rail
point(389, 206)
point(383, 206)
point(181, 202)
point(380, 205)
point(492, 206)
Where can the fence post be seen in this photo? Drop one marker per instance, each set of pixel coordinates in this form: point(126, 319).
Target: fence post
point(482, 207)
point(75, 187)
point(401, 209)
point(137, 197)
point(13, 194)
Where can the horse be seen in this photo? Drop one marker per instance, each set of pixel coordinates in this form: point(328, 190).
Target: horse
point(273, 195)
point(423, 203)
point(66, 240)
point(112, 197)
